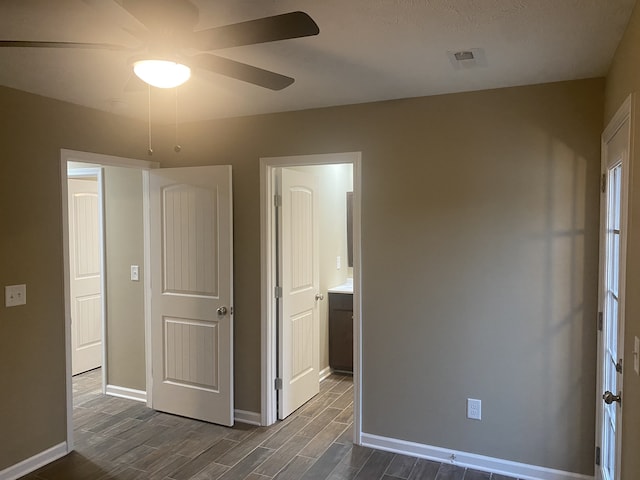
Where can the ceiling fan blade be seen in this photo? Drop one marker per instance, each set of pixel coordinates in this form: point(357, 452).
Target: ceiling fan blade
point(241, 71)
point(268, 29)
point(29, 44)
point(179, 15)
point(112, 12)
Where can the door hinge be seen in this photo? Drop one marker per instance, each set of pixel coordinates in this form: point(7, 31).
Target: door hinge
point(600, 321)
point(278, 384)
point(603, 182)
point(277, 292)
point(277, 200)
point(597, 455)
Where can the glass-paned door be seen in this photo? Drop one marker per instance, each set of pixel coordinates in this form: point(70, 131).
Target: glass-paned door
point(611, 322)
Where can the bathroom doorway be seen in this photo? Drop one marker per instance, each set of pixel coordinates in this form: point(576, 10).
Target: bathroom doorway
point(335, 174)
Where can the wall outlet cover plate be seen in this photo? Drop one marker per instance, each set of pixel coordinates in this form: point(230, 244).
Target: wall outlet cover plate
point(15, 295)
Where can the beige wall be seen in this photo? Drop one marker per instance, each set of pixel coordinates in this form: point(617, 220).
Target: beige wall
point(124, 246)
point(32, 356)
point(488, 201)
point(334, 181)
point(623, 79)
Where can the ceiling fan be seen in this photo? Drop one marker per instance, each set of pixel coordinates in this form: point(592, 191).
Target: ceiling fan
point(170, 47)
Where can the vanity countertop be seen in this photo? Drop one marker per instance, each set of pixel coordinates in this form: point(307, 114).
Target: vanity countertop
point(346, 287)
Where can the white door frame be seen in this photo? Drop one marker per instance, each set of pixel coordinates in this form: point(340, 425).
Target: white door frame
point(624, 114)
point(98, 160)
point(84, 173)
point(268, 304)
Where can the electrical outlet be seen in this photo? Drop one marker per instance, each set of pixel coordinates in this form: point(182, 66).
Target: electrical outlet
point(474, 409)
point(15, 295)
point(338, 262)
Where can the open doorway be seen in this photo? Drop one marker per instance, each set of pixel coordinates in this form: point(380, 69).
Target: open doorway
point(115, 376)
point(336, 174)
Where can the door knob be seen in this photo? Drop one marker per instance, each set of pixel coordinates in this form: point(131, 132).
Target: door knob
point(319, 296)
point(609, 398)
point(222, 310)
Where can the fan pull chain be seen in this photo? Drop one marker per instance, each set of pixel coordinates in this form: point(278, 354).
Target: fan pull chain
point(150, 150)
point(177, 146)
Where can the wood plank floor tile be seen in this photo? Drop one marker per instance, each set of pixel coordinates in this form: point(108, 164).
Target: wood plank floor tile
point(290, 430)
point(317, 424)
point(247, 465)
point(239, 431)
point(424, 470)
point(157, 459)
point(295, 469)
point(245, 447)
point(346, 416)
point(282, 456)
point(476, 475)
point(169, 464)
point(343, 472)
point(344, 400)
point(450, 472)
point(212, 471)
point(401, 466)
point(328, 461)
point(342, 386)
point(211, 455)
point(357, 457)
point(318, 404)
point(347, 435)
point(321, 442)
point(375, 466)
point(195, 443)
point(255, 476)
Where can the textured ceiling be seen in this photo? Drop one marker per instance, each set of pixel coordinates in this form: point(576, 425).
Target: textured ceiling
point(367, 50)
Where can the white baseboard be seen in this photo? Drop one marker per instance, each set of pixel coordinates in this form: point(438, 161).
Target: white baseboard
point(469, 460)
point(31, 464)
point(252, 418)
point(124, 392)
point(325, 372)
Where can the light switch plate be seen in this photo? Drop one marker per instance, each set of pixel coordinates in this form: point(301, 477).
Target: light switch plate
point(15, 295)
point(636, 355)
point(135, 273)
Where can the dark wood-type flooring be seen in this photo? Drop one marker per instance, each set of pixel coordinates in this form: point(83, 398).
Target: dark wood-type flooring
point(124, 440)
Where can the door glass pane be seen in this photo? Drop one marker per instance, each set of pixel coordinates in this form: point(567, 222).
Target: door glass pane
point(611, 318)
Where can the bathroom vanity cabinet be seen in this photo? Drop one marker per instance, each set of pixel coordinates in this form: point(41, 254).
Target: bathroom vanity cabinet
point(341, 331)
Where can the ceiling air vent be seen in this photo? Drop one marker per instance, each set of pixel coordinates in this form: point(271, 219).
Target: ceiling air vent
point(466, 55)
point(465, 59)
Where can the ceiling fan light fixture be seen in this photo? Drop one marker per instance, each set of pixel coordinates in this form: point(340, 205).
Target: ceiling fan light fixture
point(161, 73)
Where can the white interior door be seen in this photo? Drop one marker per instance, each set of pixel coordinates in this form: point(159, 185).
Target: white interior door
point(191, 289)
point(85, 279)
point(298, 319)
point(613, 247)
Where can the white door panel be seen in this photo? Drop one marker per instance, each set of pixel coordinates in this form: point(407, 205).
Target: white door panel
point(299, 316)
point(191, 283)
point(85, 275)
